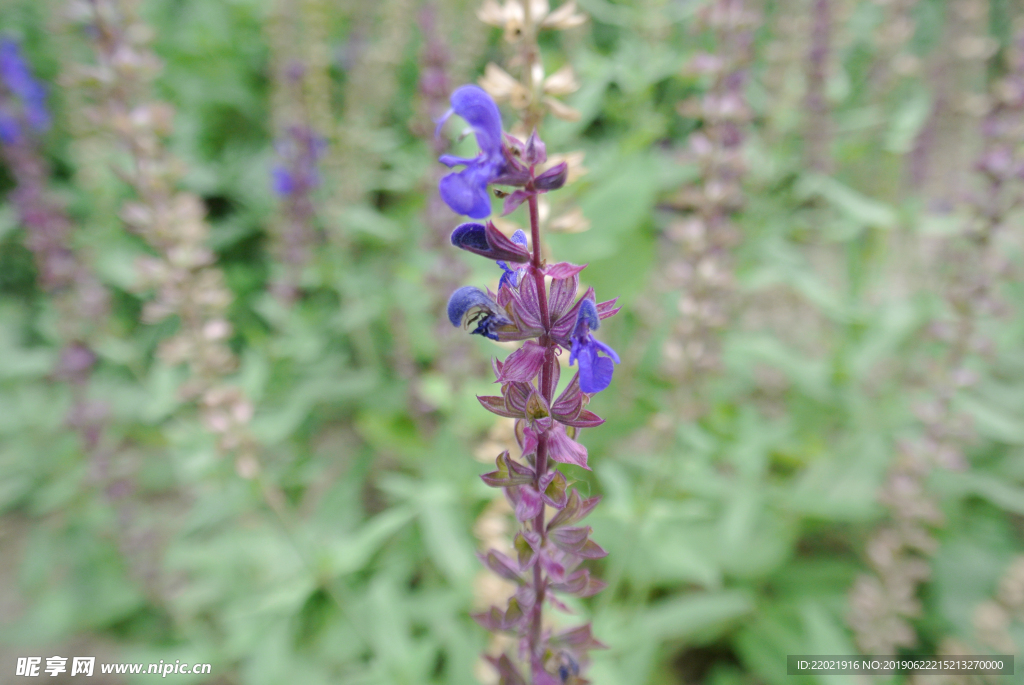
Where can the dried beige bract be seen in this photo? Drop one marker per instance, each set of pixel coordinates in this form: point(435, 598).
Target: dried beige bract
point(562, 82)
point(511, 16)
point(504, 87)
point(563, 18)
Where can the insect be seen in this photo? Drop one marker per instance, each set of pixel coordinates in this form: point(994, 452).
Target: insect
point(568, 667)
point(485, 322)
point(469, 306)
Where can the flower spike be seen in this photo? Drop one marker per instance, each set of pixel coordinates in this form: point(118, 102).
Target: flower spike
point(536, 302)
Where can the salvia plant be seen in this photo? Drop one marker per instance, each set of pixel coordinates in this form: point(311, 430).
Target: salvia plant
point(294, 179)
point(183, 275)
point(816, 103)
point(700, 242)
point(80, 299)
point(446, 272)
point(884, 603)
point(538, 303)
point(995, 619)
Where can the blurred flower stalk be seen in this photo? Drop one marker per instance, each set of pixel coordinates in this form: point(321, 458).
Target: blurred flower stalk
point(550, 320)
point(181, 274)
point(884, 602)
point(894, 57)
point(994, 618)
point(534, 93)
point(699, 268)
point(818, 125)
point(301, 111)
point(294, 178)
point(994, 623)
point(81, 301)
point(447, 271)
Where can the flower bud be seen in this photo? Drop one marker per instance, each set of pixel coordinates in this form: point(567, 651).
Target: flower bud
point(553, 178)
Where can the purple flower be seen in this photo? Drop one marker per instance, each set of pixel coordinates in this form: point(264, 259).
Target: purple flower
point(466, 191)
point(17, 78)
point(487, 241)
point(510, 276)
point(10, 132)
point(298, 150)
point(282, 181)
point(595, 371)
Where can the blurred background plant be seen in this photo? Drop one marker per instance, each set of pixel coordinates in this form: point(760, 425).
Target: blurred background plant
point(257, 461)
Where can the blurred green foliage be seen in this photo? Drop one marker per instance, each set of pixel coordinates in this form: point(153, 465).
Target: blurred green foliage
point(733, 540)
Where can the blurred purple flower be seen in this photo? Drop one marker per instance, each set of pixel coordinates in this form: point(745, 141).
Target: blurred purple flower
point(17, 78)
point(10, 132)
point(282, 181)
point(75, 362)
point(293, 179)
point(299, 151)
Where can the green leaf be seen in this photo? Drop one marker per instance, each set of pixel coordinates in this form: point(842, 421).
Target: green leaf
point(115, 265)
point(352, 552)
point(992, 421)
point(162, 392)
point(689, 616)
point(274, 424)
point(998, 492)
point(361, 219)
point(8, 220)
point(852, 203)
point(908, 121)
point(616, 208)
point(446, 536)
